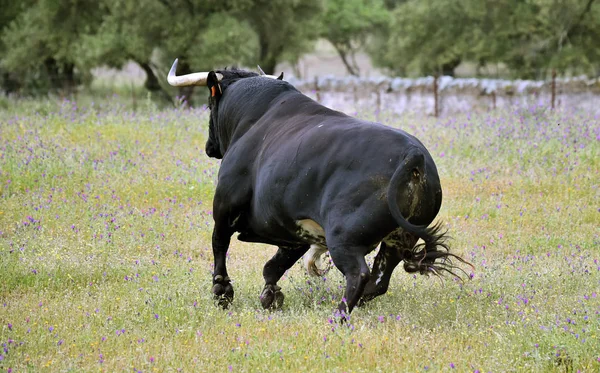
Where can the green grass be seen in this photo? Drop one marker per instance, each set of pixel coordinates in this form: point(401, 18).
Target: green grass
point(105, 257)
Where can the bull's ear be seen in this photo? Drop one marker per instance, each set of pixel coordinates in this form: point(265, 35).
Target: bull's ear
point(280, 77)
point(214, 87)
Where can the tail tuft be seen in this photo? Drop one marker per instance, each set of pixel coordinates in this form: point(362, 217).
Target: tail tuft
point(423, 258)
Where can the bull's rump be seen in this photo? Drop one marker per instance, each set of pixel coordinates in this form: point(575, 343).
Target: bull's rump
point(333, 171)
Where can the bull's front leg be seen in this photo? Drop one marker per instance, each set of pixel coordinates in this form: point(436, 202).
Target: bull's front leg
point(222, 288)
point(231, 200)
point(221, 237)
point(351, 262)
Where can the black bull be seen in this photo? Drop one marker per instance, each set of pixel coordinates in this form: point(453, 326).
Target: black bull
point(295, 173)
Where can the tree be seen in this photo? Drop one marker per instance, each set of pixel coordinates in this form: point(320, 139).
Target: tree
point(55, 44)
point(127, 32)
point(530, 37)
point(10, 11)
point(41, 43)
point(154, 32)
point(286, 29)
point(565, 38)
point(428, 37)
point(348, 25)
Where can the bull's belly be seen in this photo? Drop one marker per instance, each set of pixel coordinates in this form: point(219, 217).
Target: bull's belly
point(311, 232)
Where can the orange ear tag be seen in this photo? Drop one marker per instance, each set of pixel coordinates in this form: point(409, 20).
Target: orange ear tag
point(213, 91)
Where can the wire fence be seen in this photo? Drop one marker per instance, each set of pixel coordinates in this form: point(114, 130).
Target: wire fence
point(446, 95)
point(434, 96)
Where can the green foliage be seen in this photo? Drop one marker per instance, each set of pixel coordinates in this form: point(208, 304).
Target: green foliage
point(348, 25)
point(418, 43)
point(52, 42)
point(541, 35)
point(530, 37)
point(205, 35)
point(53, 45)
point(561, 35)
point(10, 11)
point(286, 29)
point(193, 31)
point(42, 39)
point(127, 31)
point(225, 42)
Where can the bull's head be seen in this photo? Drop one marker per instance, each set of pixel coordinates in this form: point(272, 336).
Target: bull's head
point(212, 80)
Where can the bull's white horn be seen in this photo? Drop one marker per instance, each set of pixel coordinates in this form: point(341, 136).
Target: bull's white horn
point(198, 79)
point(270, 76)
point(262, 73)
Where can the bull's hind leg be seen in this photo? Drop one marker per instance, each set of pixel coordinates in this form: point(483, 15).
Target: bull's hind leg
point(271, 296)
point(351, 262)
point(386, 261)
point(389, 256)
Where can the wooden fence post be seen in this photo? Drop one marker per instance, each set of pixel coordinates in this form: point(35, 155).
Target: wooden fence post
point(317, 89)
point(553, 87)
point(436, 108)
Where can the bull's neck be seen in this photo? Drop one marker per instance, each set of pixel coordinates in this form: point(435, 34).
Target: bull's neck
point(238, 113)
point(234, 123)
point(230, 131)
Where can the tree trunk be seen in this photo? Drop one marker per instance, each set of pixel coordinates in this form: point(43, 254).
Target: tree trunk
point(185, 93)
point(268, 64)
point(52, 73)
point(9, 83)
point(267, 57)
point(61, 76)
point(68, 78)
point(449, 67)
point(351, 68)
point(152, 84)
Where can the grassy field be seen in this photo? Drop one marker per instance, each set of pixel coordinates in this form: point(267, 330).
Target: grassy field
point(105, 258)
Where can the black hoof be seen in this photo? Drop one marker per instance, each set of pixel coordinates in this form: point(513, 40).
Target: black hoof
point(223, 291)
point(271, 297)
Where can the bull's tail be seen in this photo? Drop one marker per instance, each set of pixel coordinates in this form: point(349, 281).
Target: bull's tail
point(312, 260)
point(423, 257)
